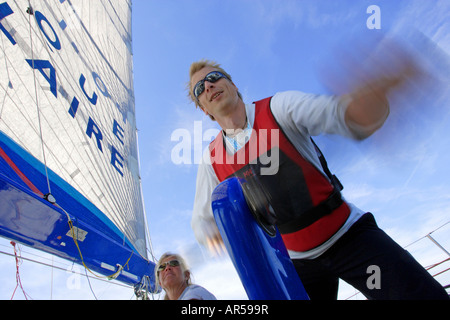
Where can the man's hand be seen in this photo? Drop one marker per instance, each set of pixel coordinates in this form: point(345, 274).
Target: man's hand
point(369, 106)
point(368, 73)
point(215, 245)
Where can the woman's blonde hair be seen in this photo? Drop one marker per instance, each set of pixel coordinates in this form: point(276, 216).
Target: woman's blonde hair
point(183, 267)
point(197, 66)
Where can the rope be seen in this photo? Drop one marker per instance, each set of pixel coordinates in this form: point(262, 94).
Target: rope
point(74, 237)
point(18, 280)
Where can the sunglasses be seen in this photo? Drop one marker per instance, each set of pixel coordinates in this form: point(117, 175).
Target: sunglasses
point(210, 77)
point(171, 263)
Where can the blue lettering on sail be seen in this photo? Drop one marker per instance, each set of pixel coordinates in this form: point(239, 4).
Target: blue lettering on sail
point(116, 159)
point(63, 24)
point(5, 10)
point(51, 77)
point(100, 85)
point(55, 43)
point(48, 71)
point(74, 107)
point(92, 99)
point(118, 131)
point(75, 47)
point(92, 128)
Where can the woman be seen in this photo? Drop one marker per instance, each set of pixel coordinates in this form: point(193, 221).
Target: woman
point(174, 277)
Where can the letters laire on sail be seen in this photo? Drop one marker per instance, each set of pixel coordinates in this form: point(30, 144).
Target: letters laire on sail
point(67, 127)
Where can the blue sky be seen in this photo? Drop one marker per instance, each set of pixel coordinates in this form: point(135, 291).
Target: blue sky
point(400, 173)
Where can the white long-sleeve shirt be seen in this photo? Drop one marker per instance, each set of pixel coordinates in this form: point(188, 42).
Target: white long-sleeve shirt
point(300, 116)
point(196, 292)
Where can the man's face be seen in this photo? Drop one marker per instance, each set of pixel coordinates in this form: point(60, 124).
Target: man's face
point(217, 96)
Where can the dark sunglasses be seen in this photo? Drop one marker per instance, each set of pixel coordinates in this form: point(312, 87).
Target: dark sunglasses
point(171, 263)
point(210, 77)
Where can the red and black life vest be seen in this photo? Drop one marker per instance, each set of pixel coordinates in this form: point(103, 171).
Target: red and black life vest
point(306, 207)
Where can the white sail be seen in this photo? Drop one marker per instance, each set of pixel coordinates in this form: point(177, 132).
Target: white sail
point(66, 93)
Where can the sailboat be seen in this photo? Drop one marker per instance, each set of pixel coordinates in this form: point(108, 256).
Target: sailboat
point(69, 165)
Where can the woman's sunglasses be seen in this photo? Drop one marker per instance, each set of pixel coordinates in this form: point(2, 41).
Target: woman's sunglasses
point(210, 77)
point(171, 263)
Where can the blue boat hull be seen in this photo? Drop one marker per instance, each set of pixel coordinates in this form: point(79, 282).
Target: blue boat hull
point(26, 217)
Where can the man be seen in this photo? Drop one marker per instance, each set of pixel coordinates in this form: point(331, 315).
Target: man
point(327, 238)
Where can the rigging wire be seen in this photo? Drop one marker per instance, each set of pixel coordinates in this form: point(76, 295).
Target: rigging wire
point(48, 196)
point(428, 268)
point(128, 286)
point(51, 285)
point(10, 86)
point(63, 269)
point(141, 290)
point(89, 282)
point(149, 245)
point(31, 13)
point(426, 236)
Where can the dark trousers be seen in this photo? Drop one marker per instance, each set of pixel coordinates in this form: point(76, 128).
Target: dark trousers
point(369, 260)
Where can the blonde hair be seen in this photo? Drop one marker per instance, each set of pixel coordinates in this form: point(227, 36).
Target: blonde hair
point(197, 66)
point(183, 267)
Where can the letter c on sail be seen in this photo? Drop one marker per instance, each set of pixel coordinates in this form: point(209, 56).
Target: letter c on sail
point(92, 99)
